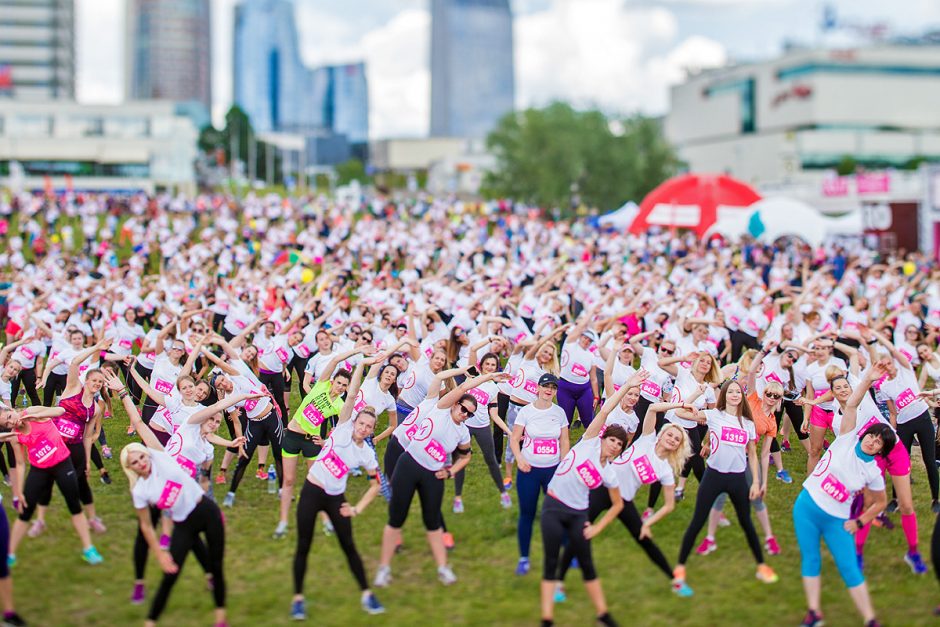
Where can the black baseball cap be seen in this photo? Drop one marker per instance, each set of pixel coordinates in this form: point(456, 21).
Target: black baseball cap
point(548, 379)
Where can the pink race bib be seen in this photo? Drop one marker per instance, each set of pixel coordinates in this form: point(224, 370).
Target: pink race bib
point(905, 398)
point(871, 421)
point(773, 377)
point(282, 355)
point(41, 451)
point(544, 446)
point(435, 451)
point(125, 344)
point(171, 492)
point(240, 324)
point(651, 388)
point(645, 471)
point(752, 325)
point(736, 437)
point(302, 350)
point(734, 320)
point(150, 356)
point(187, 465)
point(589, 474)
point(411, 431)
point(835, 488)
point(250, 404)
point(162, 386)
point(313, 414)
point(69, 430)
point(578, 370)
point(482, 397)
point(27, 352)
point(530, 386)
point(334, 465)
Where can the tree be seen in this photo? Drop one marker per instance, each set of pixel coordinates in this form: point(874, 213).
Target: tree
point(352, 170)
point(548, 156)
point(238, 134)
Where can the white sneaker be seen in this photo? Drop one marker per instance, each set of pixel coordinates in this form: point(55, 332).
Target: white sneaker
point(383, 577)
point(280, 531)
point(446, 575)
point(505, 500)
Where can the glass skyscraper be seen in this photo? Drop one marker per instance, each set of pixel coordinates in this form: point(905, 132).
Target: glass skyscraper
point(37, 49)
point(472, 69)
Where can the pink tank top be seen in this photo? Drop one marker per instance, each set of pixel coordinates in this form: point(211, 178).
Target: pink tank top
point(72, 423)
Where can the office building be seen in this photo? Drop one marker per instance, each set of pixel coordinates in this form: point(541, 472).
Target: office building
point(341, 97)
point(37, 49)
point(472, 69)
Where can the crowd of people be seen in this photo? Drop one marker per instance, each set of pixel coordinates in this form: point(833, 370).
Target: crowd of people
point(584, 364)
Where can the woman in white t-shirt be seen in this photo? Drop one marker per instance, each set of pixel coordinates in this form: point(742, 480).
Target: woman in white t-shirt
point(731, 445)
point(577, 382)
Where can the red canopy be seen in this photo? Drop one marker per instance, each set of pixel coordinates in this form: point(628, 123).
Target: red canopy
point(692, 201)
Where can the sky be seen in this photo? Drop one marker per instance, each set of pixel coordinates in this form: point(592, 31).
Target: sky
point(619, 55)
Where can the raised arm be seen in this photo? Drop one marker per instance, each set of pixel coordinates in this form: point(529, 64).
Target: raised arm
point(233, 399)
point(158, 397)
point(454, 395)
point(601, 418)
point(226, 368)
point(72, 379)
point(352, 391)
point(113, 382)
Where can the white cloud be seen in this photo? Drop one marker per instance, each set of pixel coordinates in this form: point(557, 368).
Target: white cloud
point(99, 30)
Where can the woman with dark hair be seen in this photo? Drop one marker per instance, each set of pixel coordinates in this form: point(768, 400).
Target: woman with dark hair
point(458, 344)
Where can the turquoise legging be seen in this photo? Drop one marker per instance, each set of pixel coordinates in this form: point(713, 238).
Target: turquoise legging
point(812, 525)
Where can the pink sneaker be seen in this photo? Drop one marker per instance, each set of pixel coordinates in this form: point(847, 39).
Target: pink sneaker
point(647, 513)
point(164, 542)
point(771, 545)
point(96, 525)
point(36, 529)
point(707, 546)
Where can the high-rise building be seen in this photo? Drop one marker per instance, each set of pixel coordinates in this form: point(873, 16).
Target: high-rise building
point(168, 51)
point(341, 96)
point(472, 70)
point(37, 49)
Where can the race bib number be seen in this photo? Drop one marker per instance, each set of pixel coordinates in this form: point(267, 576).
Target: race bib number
point(282, 355)
point(545, 446)
point(532, 387)
point(481, 397)
point(334, 465)
point(411, 431)
point(27, 352)
point(578, 370)
point(42, 450)
point(163, 386)
point(773, 377)
point(312, 414)
point(69, 430)
point(835, 488)
point(187, 464)
point(589, 474)
point(303, 351)
point(170, 494)
point(435, 451)
point(651, 388)
point(240, 324)
point(360, 402)
point(125, 344)
point(736, 437)
point(905, 398)
point(644, 470)
point(251, 403)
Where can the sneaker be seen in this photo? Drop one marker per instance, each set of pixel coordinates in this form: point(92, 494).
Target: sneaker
point(522, 567)
point(164, 542)
point(784, 475)
point(105, 478)
point(766, 574)
point(892, 506)
point(138, 596)
point(11, 560)
point(383, 577)
point(92, 556)
point(298, 610)
point(785, 446)
point(261, 474)
point(647, 513)
point(280, 531)
point(873, 623)
point(576, 423)
point(229, 499)
point(771, 545)
point(575, 563)
point(36, 529)
point(458, 505)
point(371, 605)
point(220, 478)
point(399, 546)
point(707, 546)
point(826, 445)
point(723, 520)
point(106, 452)
point(449, 542)
point(507, 483)
point(935, 507)
point(328, 528)
point(12, 619)
point(560, 596)
point(96, 525)
point(680, 494)
point(913, 559)
point(505, 500)
point(813, 619)
point(130, 431)
point(681, 588)
point(773, 463)
point(446, 575)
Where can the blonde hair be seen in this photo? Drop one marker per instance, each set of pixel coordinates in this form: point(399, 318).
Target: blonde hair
point(774, 387)
point(833, 373)
point(553, 367)
point(683, 452)
point(133, 447)
point(714, 373)
point(747, 358)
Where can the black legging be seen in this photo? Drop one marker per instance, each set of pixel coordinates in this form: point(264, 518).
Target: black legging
point(77, 455)
point(561, 523)
point(484, 438)
point(258, 433)
point(712, 485)
point(313, 500)
point(141, 548)
point(40, 480)
point(297, 366)
point(935, 548)
point(795, 413)
point(26, 378)
point(695, 464)
point(132, 385)
point(55, 385)
point(276, 386)
point(740, 341)
point(205, 518)
point(502, 406)
point(598, 502)
point(410, 477)
point(926, 437)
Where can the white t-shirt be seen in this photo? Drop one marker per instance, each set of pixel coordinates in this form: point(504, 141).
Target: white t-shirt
point(168, 487)
point(174, 413)
point(771, 370)
point(619, 375)
point(576, 363)
point(164, 375)
point(580, 472)
point(728, 438)
point(371, 394)
point(27, 353)
point(413, 383)
point(628, 420)
point(248, 383)
point(839, 475)
point(816, 374)
point(685, 387)
point(409, 425)
point(639, 465)
point(525, 381)
point(340, 454)
point(189, 448)
point(485, 396)
point(437, 436)
point(903, 390)
point(541, 434)
point(652, 388)
point(146, 359)
point(273, 353)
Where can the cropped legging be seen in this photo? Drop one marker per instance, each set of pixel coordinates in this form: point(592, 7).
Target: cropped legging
point(926, 436)
point(410, 477)
point(393, 452)
point(484, 438)
point(599, 501)
point(558, 523)
point(528, 486)
point(759, 505)
point(206, 519)
point(580, 395)
point(714, 483)
point(267, 430)
point(313, 500)
point(141, 548)
point(77, 455)
point(39, 482)
point(812, 525)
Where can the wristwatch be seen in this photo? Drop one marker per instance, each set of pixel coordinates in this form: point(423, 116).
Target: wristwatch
point(859, 523)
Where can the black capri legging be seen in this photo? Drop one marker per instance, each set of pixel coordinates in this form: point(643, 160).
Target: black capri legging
point(410, 477)
point(313, 500)
point(77, 456)
point(141, 548)
point(276, 386)
point(55, 385)
point(926, 437)
point(502, 406)
point(26, 378)
point(39, 481)
point(558, 523)
point(206, 519)
point(268, 430)
point(795, 413)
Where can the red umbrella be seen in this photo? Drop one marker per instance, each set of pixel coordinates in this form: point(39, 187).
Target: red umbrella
point(692, 201)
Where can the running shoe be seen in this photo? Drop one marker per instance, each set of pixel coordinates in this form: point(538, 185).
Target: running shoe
point(328, 528)
point(505, 500)
point(92, 556)
point(138, 595)
point(36, 529)
point(647, 513)
point(892, 506)
point(280, 531)
point(784, 475)
point(229, 499)
point(913, 559)
point(130, 431)
point(298, 610)
point(399, 546)
point(576, 423)
point(723, 520)
point(220, 478)
point(164, 542)
point(458, 505)
point(935, 507)
point(11, 560)
point(607, 620)
point(446, 575)
point(106, 452)
point(105, 478)
point(449, 542)
point(383, 577)
point(522, 567)
point(766, 574)
point(785, 446)
point(507, 483)
point(371, 605)
point(680, 494)
point(12, 619)
point(873, 623)
point(813, 619)
point(96, 525)
point(707, 546)
point(681, 588)
point(560, 596)
point(772, 462)
point(575, 563)
point(826, 445)
point(771, 545)
point(261, 474)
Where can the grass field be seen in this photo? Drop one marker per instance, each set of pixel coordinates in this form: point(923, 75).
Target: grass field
point(55, 588)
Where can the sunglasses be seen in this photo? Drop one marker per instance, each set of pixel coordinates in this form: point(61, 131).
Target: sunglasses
point(666, 350)
point(773, 396)
point(465, 411)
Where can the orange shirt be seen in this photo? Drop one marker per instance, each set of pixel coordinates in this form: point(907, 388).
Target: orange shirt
point(764, 424)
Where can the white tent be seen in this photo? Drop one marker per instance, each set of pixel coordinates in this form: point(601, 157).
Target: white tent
point(780, 216)
point(620, 218)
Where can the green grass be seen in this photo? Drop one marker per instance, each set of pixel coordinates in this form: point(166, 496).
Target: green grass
point(55, 588)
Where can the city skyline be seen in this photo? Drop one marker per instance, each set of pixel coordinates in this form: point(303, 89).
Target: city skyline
point(621, 56)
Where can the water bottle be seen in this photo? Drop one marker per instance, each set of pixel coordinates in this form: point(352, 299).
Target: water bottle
point(272, 479)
